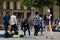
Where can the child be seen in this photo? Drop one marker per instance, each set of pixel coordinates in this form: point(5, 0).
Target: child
point(41, 23)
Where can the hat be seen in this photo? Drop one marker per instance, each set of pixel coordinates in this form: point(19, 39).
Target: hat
point(48, 10)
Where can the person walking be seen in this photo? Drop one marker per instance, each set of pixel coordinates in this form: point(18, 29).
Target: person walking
point(41, 26)
point(47, 22)
point(36, 24)
point(13, 23)
point(30, 22)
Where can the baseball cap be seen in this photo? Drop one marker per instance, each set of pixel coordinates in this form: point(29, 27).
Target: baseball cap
point(48, 10)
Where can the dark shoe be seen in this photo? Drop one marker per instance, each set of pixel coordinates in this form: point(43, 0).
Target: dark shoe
point(29, 34)
point(46, 37)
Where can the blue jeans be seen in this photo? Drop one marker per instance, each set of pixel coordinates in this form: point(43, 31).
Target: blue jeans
point(41, 29)
point(6, 27)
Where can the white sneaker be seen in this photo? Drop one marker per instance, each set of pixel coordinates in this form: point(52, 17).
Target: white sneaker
point(52, 37)
point(36, 37)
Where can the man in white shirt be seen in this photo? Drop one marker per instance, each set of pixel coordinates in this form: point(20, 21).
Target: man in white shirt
point(13, 23)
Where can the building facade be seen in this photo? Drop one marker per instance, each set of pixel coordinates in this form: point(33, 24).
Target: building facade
point(15, 6)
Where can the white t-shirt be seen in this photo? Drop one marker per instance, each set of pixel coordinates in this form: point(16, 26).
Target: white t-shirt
point(13, 20)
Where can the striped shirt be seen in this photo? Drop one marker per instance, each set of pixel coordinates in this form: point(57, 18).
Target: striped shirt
point(36, 20)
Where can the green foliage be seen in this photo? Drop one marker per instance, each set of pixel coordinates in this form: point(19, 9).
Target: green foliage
point(1, 1)
point(27, 3)
point(38, 4)
point(58, 2)
point(48, 3)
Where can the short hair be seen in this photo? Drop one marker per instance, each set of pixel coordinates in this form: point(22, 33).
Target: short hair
point(48, 10)
point(14, 13)
point(41, 15)
point(7, 12)
point(36, 13)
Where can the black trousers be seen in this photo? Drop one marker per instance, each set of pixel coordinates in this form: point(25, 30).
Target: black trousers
point(26, 27)
point(41, 29)
point(36, 27)
point(14, 28)
point(22, 26)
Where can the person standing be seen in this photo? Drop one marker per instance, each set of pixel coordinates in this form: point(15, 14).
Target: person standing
point(36, 24)
point(22, 23)
point(47, 22)
point(13, 23)
point(41, 26)
point(30, 22)
point(6, 19)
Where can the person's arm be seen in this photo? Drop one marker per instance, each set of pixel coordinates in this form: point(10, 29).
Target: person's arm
point(42, 23)
point(15, 20)
point(39, 21)
point(49, 17)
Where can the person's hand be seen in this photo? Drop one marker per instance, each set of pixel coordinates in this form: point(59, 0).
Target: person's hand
point(16, 23)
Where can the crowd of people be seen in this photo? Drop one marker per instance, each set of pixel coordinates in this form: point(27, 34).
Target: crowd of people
point(39, 22)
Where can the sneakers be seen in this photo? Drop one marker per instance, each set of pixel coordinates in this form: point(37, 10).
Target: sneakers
point(35, 36)
point(52, 37)
point(46, 37)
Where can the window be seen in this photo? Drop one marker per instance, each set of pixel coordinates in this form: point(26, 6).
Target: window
point(28, 8)
point(28, 14)
point(21, 7)
point(15, 5)
point(8, 5)
point(19, 14)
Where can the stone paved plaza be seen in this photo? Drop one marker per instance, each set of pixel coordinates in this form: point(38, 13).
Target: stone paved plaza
point(55, 34)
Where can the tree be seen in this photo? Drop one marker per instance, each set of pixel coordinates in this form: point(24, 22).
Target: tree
point(38, 4)
point(1, 1)
point(49, 4)
point(58, 3)
point(27, 3)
